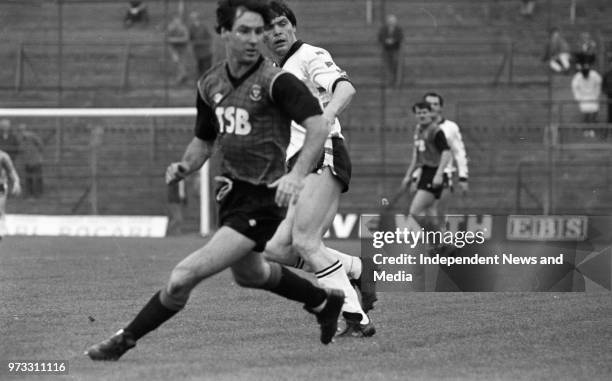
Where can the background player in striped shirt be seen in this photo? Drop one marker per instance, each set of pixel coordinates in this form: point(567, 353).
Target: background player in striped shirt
point(245, 107)
point(305, 224)
point(9, 183)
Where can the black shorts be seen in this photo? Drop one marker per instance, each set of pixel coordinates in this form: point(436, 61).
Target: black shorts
point(336, 157)
point(427, 175)
point(250, 210)
point(3, 188)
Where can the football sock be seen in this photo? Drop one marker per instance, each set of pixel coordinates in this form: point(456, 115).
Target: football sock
point(289, 285)
point(3, 229)
point(334, 277)
point(351, 264)
point(299, 264)
point(152, 315)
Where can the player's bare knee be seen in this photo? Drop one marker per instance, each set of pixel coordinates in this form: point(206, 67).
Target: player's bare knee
point(182, 281)
point(276, 252)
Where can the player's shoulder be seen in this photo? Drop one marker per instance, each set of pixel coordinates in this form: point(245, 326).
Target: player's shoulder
point(211, 82)
point(304, 55)
point(308, 53)
point(268, 73)
point(268, 68)
point(448, 125)
point(313, 50)
point(214, 73)
point(215, 69)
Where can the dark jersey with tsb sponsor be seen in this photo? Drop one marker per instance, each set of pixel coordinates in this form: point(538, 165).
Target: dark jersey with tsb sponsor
point(250, 117)
point(430, 142)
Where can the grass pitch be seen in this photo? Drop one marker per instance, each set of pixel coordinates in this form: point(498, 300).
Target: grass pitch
point(60, 295)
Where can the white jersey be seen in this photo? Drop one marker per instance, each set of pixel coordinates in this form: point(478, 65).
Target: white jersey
point(455, 141)
point(315, 67)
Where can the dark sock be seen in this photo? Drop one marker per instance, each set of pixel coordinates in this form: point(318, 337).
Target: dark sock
point(291, 286)
point(152, 315)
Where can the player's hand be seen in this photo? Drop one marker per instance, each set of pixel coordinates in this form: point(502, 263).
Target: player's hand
point(176, 172)
point(437, 181)
point(405, 183)
point(16, 191)
point(464, 187)
point(288, 188)
point(413, 186)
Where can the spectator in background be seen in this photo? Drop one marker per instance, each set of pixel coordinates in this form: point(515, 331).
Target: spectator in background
point(586, 87)
point(177, 36)
point(9, 142)
point(200, 43)
point(390, 37)
point(557, 52)
point(586, 53)
point(606, 87)
point(527, 7)
point(136, 13)
point(31, 146)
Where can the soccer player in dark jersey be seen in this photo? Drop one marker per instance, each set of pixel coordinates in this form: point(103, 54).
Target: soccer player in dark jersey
point(431, 153)
point(9, 182)
point(459, 160)
point(245, 106)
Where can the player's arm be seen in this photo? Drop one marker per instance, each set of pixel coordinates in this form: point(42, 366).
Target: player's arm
point(408, 176)
point(460, 155)
point(455, 141)
point(7, 165)
point(323, 71)
point(201, 146)
point(296, 101)
point(341, 98)
point(445, 157)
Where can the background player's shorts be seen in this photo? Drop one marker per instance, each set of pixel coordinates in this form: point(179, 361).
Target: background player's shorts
point(336, 157)
point(250, 210)
point(425, 181)
point(2, 188)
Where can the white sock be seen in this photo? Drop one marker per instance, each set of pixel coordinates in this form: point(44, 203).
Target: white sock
point(351, 264)
point(334, 277)
point(3, 228)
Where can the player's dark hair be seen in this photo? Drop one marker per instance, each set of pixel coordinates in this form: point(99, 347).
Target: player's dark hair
point(227, 10)
point(421, 105)
point(432, 94)
point(279, 8)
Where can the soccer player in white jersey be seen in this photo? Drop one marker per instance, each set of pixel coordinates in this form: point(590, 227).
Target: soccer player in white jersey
point(454, 138)
point(300, 234)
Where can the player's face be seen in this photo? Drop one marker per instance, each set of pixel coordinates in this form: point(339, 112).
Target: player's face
point(423, 116)
point(243, 41)
point(436, 107)
point(280, 35)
